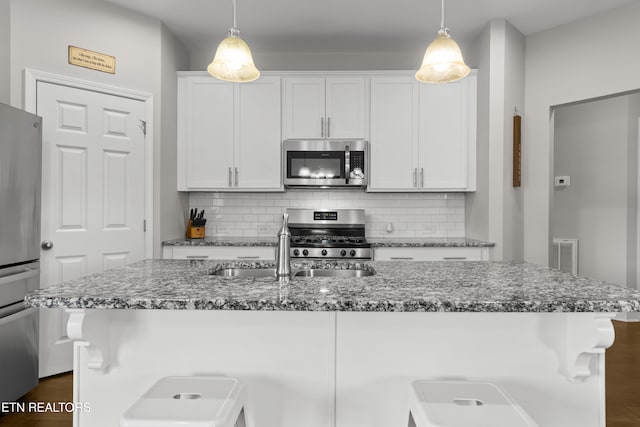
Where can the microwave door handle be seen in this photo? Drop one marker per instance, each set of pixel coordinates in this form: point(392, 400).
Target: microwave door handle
point(347, 164)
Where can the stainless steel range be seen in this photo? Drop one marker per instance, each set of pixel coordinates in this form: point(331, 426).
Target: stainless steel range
point(328, 234)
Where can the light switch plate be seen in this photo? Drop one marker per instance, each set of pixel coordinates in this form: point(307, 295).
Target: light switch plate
point(562, 181)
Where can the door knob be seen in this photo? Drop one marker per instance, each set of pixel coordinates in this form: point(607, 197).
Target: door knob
point(46, 245)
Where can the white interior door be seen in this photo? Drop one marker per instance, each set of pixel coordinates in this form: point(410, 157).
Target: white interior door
point(93, 202)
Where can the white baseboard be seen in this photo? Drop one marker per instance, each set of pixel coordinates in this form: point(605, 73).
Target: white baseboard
point(627, 317)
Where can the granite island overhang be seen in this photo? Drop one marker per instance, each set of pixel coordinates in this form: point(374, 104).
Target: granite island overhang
point(324, 349)
point(446, 286)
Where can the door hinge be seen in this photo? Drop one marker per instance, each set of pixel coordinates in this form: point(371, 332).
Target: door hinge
point(144, 226)
point(143, 126)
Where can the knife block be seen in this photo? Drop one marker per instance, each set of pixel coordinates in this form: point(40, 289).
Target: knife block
point(194, 232)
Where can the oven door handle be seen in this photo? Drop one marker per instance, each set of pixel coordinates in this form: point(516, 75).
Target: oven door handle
point(347, 164)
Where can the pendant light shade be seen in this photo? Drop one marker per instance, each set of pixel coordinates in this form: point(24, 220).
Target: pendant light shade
point(443, 60)
point(233, 61)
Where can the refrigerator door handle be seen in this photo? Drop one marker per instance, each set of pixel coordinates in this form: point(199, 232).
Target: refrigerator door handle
point(18, 313)
point(20, 276)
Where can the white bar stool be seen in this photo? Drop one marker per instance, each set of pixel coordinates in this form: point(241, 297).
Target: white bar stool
point(463, 403)
point(189, 402)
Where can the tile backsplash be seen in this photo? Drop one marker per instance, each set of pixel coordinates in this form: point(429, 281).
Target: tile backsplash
point(434, 215)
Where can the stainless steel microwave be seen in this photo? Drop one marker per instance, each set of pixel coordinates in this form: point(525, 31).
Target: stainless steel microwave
point(322, 163)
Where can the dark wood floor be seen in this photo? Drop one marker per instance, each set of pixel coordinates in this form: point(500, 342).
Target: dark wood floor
point(58, 388)
point(622, 378)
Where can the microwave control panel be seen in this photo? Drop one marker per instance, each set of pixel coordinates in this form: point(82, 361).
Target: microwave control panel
point(357, 160)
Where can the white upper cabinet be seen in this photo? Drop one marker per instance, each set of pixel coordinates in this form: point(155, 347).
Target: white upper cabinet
point(423, 136)
point(448, 135)
point(258, 142)
point(228, 134)
point(393, 142)
point(325, 107)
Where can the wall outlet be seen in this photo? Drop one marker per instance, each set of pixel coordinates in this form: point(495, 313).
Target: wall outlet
point(562, 181)
point(264, 228)
point(428, 229)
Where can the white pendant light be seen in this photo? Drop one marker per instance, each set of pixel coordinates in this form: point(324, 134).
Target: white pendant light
point(233, 61)
point(443, 59)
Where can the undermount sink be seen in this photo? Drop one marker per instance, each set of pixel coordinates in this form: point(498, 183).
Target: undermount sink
point(246, 272)
point(311, 272)
point(317, 272)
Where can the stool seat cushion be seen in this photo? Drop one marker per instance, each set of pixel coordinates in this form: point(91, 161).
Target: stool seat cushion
point(188, 402)
point(464, 404)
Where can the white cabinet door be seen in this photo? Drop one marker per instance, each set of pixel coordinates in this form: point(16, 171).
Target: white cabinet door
point(330, 108)
point(431, 254)
point(229, 134)
point(304, 107)
point(258, 159)
point(219, 252)
point(394, 133)
point(423, 136)
point(205, 134)
point(345, 108)
point(446, 136)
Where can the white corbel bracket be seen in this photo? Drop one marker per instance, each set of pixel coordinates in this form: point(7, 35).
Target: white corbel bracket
point(588, 335)
point(89, 328)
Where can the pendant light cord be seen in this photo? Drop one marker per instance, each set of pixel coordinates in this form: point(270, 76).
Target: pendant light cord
point(235, 22)
point(442, 16)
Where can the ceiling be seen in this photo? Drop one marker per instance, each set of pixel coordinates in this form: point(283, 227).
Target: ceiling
point(354, 25)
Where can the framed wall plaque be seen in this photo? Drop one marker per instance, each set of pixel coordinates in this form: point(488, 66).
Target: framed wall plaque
point(92, 60)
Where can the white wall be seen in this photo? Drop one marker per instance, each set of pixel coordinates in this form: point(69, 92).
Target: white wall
point(334, 60)
point(633, 183)
point(587, 59)
point(513, 198)
point(477, 203)
point(5, 44)
point(42, 30)
point(592, 146)
point(494, 211)
point(173, 206)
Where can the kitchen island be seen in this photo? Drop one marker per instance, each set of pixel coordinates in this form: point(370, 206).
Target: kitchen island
point(342, 351)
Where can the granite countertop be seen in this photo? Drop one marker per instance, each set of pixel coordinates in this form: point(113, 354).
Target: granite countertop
point(376, 242)
point(398, 286)
point(224, 241)
point(417, 242)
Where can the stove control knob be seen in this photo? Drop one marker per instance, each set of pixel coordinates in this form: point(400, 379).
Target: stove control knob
point(305, 252)
point(353, 252)
point(296, 252)
point(343, 252)
point(324, 252)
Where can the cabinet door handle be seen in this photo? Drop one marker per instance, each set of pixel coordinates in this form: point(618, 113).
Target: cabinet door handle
point(401, 257)
point(421, 177)
point(197, 256)
point(236, 177)
point(321, 127)
point(454, 257)
point(229, 177)
point(415, 177)
point(249, 257)
point(328, 127)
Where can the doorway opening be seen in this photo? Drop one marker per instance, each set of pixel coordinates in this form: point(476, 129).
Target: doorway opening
point(595, 186)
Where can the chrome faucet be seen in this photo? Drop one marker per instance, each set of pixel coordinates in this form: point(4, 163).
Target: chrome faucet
point(283, 258)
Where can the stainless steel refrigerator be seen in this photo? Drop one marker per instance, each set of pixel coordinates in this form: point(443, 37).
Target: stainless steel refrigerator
point(20, 181)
